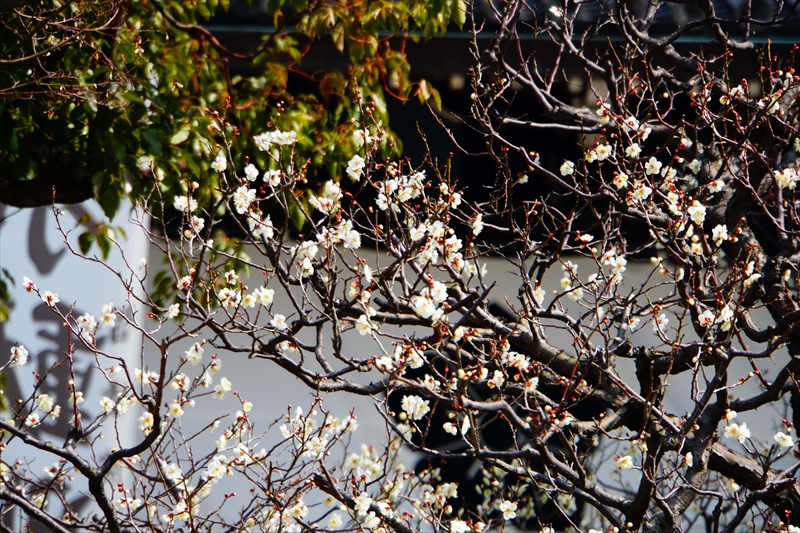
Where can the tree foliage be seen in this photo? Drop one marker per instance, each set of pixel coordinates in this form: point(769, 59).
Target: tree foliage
point(101, 99)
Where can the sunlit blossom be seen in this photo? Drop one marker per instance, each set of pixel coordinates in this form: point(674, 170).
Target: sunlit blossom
point(415, 406)
point(784, 440)
point(220, 163)
point(697, 212)
point(739, 432)
point(50, 298)
point(279, 322)
point(625, 462)
point(508, 509)
point(653, 166)
point(19, 356)
point(355, 167)
point(251, 172)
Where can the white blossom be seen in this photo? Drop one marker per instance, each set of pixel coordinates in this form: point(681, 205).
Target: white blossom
point(642, 191)
point(280, 138)
point(423, 306)
point(769, 103)
point(508, 509)
point(625, 462)
point(752, 278)
point(107, 404)
point(124, 404)
point(719, 234)
point(787, 178)
point(27, 284)
point(784, 440)
point(355, 167)
point(630, 124)
point(194, 354)
point(382, 201)
point(44, 402)
point(87, 323)
point(273, 177)
point(415, 406)
point(477, 224)
point(603, 151)
point(363, 325)
point(107, 315)
point(653, 166)
point(716, 186)
point(362, 504)
point(737, 431)
point(146, 422)
point(706, 318)
point(660, 323)
point(335, 521)
point(223, 387)
point(633, 150)
point(19, 356)
point(497, 380)
point(242, 198)
point(50, 298)
point(279, 322)
point(539, 294)
point(458, 526)
point(264, 296)
point(697, 212)
point(220, 163)
point(185, 203)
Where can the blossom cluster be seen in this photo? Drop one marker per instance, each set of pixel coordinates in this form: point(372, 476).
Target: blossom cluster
point(395, 260)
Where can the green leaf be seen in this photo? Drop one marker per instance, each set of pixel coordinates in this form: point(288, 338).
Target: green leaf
point(3, 397)
point(9, 277)
point(459, 14)
point(274, 5)
point(85, 241)
point(357, 51)
point(203, 10)
point(117, 148)
point(5, 311)
point(437, 98)
point(424, 91)
point(104, 243)
point(109, 200)
point(181, 135)
point(152, 139)
point(13, 144)
point(297, 216)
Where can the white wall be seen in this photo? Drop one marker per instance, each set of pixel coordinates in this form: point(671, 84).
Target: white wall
point(32, 246)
